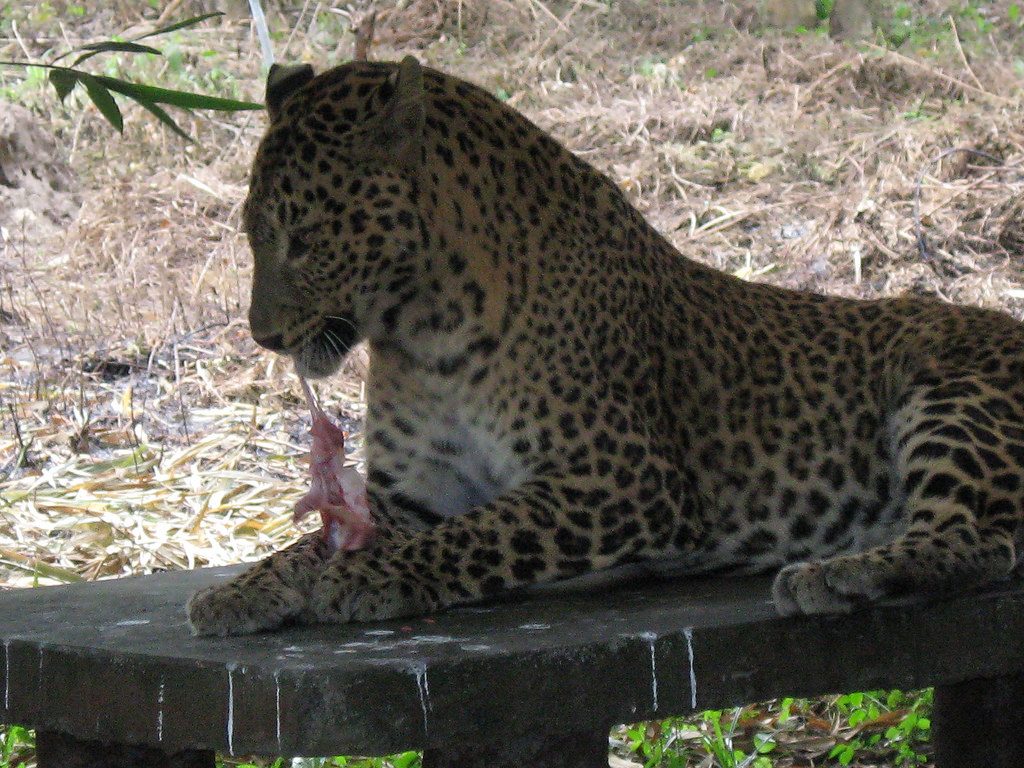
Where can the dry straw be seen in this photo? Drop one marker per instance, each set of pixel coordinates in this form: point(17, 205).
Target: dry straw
point(141, 427)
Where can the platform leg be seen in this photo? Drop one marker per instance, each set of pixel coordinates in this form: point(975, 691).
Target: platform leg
point(59, 750)
point(576, 750)
point(980, 723)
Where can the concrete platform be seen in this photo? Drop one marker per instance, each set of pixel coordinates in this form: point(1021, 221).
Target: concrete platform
point(115, 661)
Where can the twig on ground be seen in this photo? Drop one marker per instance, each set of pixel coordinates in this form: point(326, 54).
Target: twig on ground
point(539, 4)
point(828, 75)
point(295, 29)
point(922, 245)
point(364, 36)
point(21, 43)
point(165, 15)
point(941, 75)
point(543, 44)
point(963, 56)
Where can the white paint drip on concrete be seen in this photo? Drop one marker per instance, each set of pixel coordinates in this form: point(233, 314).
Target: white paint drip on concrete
point(688, 632)
point(650, 637)
point(231, 708)
point(423, 686)
point(160, 712)
point(277, 702)
point(132, 623)
point(7, 675)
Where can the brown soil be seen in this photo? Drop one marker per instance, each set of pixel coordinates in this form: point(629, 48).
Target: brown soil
point(142, 428)
point(37, 188)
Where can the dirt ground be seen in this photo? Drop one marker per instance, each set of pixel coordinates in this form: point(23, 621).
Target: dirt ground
point(141, 428)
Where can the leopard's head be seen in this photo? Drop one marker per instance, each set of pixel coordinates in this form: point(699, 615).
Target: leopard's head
point(332, 215)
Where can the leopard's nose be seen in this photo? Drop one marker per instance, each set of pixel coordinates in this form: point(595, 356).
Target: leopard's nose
point(274, 343)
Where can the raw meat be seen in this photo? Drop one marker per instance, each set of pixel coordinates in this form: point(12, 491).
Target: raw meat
point(337, 492)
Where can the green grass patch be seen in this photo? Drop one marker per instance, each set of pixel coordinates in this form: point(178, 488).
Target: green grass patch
point(873, 727)
point(17, 746)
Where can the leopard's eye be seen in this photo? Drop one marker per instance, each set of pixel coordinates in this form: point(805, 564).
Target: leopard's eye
point(299, 242)
point(297, 249)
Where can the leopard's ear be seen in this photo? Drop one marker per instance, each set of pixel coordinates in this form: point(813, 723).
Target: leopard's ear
point(282, 82)
point(400, 129)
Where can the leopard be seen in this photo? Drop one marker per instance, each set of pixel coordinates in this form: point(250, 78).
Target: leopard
point(556, 391)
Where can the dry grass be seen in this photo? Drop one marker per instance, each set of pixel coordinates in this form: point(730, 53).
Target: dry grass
point(141, 427)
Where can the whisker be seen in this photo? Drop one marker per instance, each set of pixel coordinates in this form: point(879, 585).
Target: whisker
point(343, 348)
point(332, 341)
point(345, 320)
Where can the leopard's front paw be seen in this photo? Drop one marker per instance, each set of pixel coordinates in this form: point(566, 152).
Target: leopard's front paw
point(239, 609)
point(345, 596)
point(834, 586)
point(804, 588)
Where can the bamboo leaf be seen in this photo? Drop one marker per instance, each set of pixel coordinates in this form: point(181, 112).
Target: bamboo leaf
point(114, 45)
point(183, 99)
point(180, 25)
point(150, 93)
point(103, 100)
point(111, 45)
point(64, 79)
point(63, 82)
point(163, 117)
point(33, 565)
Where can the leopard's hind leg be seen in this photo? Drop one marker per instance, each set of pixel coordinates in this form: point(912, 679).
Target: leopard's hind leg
point(958, 449)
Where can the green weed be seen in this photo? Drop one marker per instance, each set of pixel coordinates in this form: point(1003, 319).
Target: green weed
point(878, 727)
point(891, 721)
point(17, 745)
point(973, 15)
